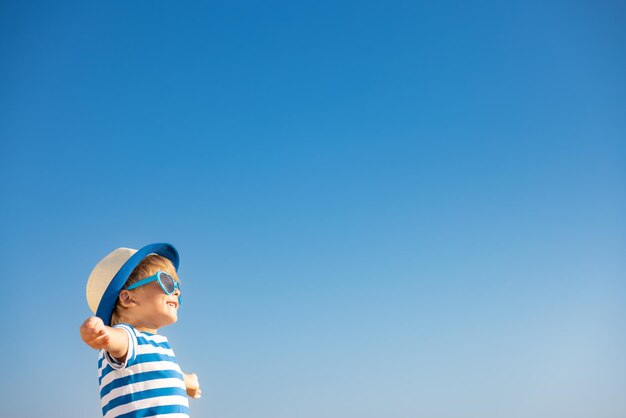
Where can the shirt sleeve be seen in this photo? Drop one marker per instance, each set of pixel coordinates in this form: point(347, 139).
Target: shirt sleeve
point(132, 349)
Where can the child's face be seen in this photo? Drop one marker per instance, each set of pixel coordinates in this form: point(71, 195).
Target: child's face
point(154, 308)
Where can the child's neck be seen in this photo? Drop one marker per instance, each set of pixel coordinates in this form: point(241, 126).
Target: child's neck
point(140, 325)
point(147, 330)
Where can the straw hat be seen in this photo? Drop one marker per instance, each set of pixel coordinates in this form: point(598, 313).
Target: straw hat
point(110, 274)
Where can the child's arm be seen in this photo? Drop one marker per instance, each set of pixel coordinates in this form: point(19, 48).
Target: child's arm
point(192, 385)
point(99, 336)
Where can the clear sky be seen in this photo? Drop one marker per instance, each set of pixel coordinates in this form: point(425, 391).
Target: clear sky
point(383, 209)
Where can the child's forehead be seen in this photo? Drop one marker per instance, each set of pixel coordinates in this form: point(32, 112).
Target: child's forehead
point(167, 269)
point(162, 265)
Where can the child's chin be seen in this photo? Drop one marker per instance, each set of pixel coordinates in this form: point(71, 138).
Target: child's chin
point(170, 320)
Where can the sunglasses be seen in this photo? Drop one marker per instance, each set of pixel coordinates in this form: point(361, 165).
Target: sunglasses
point(167, 282)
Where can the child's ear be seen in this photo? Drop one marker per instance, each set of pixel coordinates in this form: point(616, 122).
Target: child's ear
point(125, 298)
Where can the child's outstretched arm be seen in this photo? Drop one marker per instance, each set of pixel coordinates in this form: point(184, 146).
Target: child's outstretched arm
point(99, 336)
point(192, 385)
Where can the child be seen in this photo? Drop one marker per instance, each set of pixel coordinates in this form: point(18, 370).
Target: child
point(133, 293)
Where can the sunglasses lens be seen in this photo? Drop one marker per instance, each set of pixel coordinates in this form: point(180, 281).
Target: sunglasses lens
point(168, 282)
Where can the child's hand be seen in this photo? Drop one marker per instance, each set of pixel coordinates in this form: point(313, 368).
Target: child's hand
point(94, 333)
point(192, 385)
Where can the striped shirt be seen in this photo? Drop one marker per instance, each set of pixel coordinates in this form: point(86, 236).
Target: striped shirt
point(148, 384)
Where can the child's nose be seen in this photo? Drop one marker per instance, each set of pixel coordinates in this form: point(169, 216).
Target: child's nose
point(177, 294)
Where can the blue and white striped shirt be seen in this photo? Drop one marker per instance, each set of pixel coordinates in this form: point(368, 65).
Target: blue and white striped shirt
point(148, 384)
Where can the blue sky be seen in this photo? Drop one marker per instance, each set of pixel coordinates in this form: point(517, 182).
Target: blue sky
point(383, 209)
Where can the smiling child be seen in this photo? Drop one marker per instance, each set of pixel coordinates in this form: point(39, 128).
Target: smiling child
point(133, 293)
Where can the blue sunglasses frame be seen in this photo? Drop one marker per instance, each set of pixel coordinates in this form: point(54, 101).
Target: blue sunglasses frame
point(156, 278)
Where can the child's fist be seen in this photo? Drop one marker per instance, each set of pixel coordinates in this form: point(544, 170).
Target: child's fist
point(94, 333)
point(192, 385)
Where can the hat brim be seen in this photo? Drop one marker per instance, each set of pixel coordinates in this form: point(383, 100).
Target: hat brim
point(109, 298)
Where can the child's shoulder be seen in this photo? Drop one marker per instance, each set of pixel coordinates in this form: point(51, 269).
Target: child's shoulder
point(128, 327)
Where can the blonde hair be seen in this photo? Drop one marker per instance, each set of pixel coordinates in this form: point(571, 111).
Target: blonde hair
point(146, 268)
